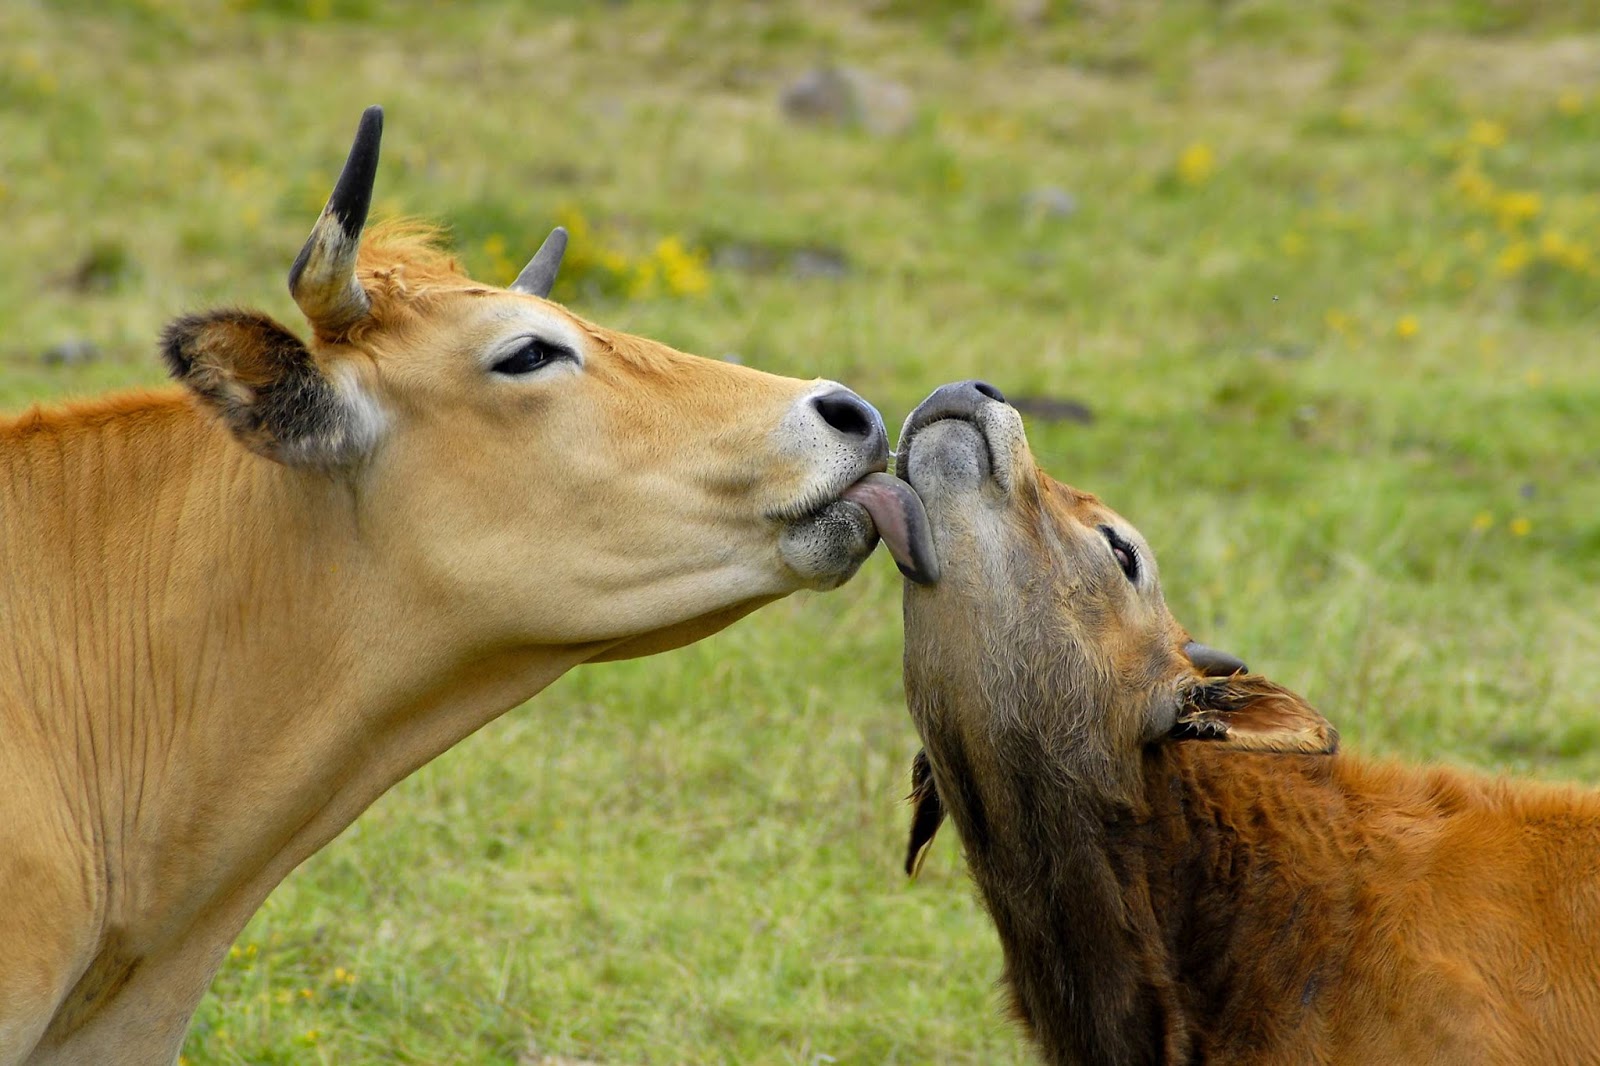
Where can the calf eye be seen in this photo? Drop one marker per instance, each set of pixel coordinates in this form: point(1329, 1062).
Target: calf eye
point(530, 357)
point(1126, 554)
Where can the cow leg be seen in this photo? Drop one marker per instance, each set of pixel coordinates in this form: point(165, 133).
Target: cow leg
point(134, 1011)
point(45, 923)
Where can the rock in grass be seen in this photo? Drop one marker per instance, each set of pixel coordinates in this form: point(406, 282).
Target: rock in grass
point(72, 352)
point(1050, 201)
point(831, 95)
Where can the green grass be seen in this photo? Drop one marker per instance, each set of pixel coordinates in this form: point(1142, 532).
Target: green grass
point(1332, 291)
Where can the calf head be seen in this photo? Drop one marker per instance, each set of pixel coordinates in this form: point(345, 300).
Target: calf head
point(1045, 645)
point(533, 475)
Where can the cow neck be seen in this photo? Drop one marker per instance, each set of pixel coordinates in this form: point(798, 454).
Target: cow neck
point(234, 673)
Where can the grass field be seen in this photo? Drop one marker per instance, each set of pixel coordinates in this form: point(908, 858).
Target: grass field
point(1326, 273)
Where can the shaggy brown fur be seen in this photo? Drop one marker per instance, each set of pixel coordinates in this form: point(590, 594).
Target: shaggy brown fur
point(1172, 880)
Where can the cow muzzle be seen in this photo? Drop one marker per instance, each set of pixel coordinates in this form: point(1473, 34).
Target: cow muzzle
point(963, 437)
point(827, 535)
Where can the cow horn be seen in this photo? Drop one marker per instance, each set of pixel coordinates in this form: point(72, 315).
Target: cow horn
point(323, 278)
point(1213, 663)
point(539, 276)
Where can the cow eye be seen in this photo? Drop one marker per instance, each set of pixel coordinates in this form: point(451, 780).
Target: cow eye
point(530, 357)
point(1126, 554)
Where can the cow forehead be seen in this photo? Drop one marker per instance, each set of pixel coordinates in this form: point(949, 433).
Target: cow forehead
point(486, 321)
point(1070, 504)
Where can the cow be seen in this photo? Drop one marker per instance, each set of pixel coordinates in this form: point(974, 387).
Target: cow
point(1180, 866)
point(238, 609)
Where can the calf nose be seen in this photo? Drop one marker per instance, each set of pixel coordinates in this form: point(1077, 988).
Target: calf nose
point(959, 399)
point(852, 418)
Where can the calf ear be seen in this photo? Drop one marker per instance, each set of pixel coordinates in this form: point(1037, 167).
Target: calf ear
point(267, 389)
point(927, 813)
point(1246, 712)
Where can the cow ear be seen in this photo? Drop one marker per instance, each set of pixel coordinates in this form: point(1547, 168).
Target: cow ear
point(1246, 712)
point(264, 385)
point(927, 813)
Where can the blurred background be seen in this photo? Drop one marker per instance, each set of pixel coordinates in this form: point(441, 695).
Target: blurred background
point(1307, 289)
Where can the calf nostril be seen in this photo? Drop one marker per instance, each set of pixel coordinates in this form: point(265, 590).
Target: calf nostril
point(989, 391)
point(847, 413)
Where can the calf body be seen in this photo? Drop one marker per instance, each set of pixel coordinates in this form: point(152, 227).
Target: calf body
point(1179, 867)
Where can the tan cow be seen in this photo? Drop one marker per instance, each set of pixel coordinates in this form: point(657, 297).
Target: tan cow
point(1180, 868)
point(236, 612)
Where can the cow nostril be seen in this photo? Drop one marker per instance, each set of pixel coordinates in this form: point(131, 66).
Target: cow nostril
point(847, 413)
point(989, 391)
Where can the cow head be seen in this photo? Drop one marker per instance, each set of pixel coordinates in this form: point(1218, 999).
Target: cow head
point(551, 478)
point(1045, 635)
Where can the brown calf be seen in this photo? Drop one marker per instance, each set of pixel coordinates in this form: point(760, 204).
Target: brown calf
point(1179, 868)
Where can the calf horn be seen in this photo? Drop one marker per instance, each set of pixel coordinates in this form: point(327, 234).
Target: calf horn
point(323, 278)
point(539, 276)
point(1213, 663)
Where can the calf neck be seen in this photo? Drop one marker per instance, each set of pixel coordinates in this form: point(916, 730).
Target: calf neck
point(1179, 866)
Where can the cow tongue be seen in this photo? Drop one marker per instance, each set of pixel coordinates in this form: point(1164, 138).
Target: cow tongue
point(902, 524)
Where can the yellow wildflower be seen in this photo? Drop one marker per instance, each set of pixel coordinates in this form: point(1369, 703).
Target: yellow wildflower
point(1407, 327)
point(643, 283)
point(1513, 207)
point(576, 222)
point(1473, 185)
point(1552, 244)
point(1520, 527)
point(1292, 244)
point(1533, 378)
point(1482, 522)
point(1513, 258)
point(495, 245)
point(1570, 102)
point(1486, 133)
point(1339, 322)
point(683, 270)
point(1196, 164)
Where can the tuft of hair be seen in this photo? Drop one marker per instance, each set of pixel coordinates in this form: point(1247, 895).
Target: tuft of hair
point(927, 813)
point(402, 264)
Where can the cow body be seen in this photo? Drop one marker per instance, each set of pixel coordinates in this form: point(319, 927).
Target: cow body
point(238, 611)
point(1179, 866)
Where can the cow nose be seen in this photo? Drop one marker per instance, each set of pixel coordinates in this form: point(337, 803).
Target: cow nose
point(965, 397)
point(986, 389)
point(959, 399)
point(850, 416)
